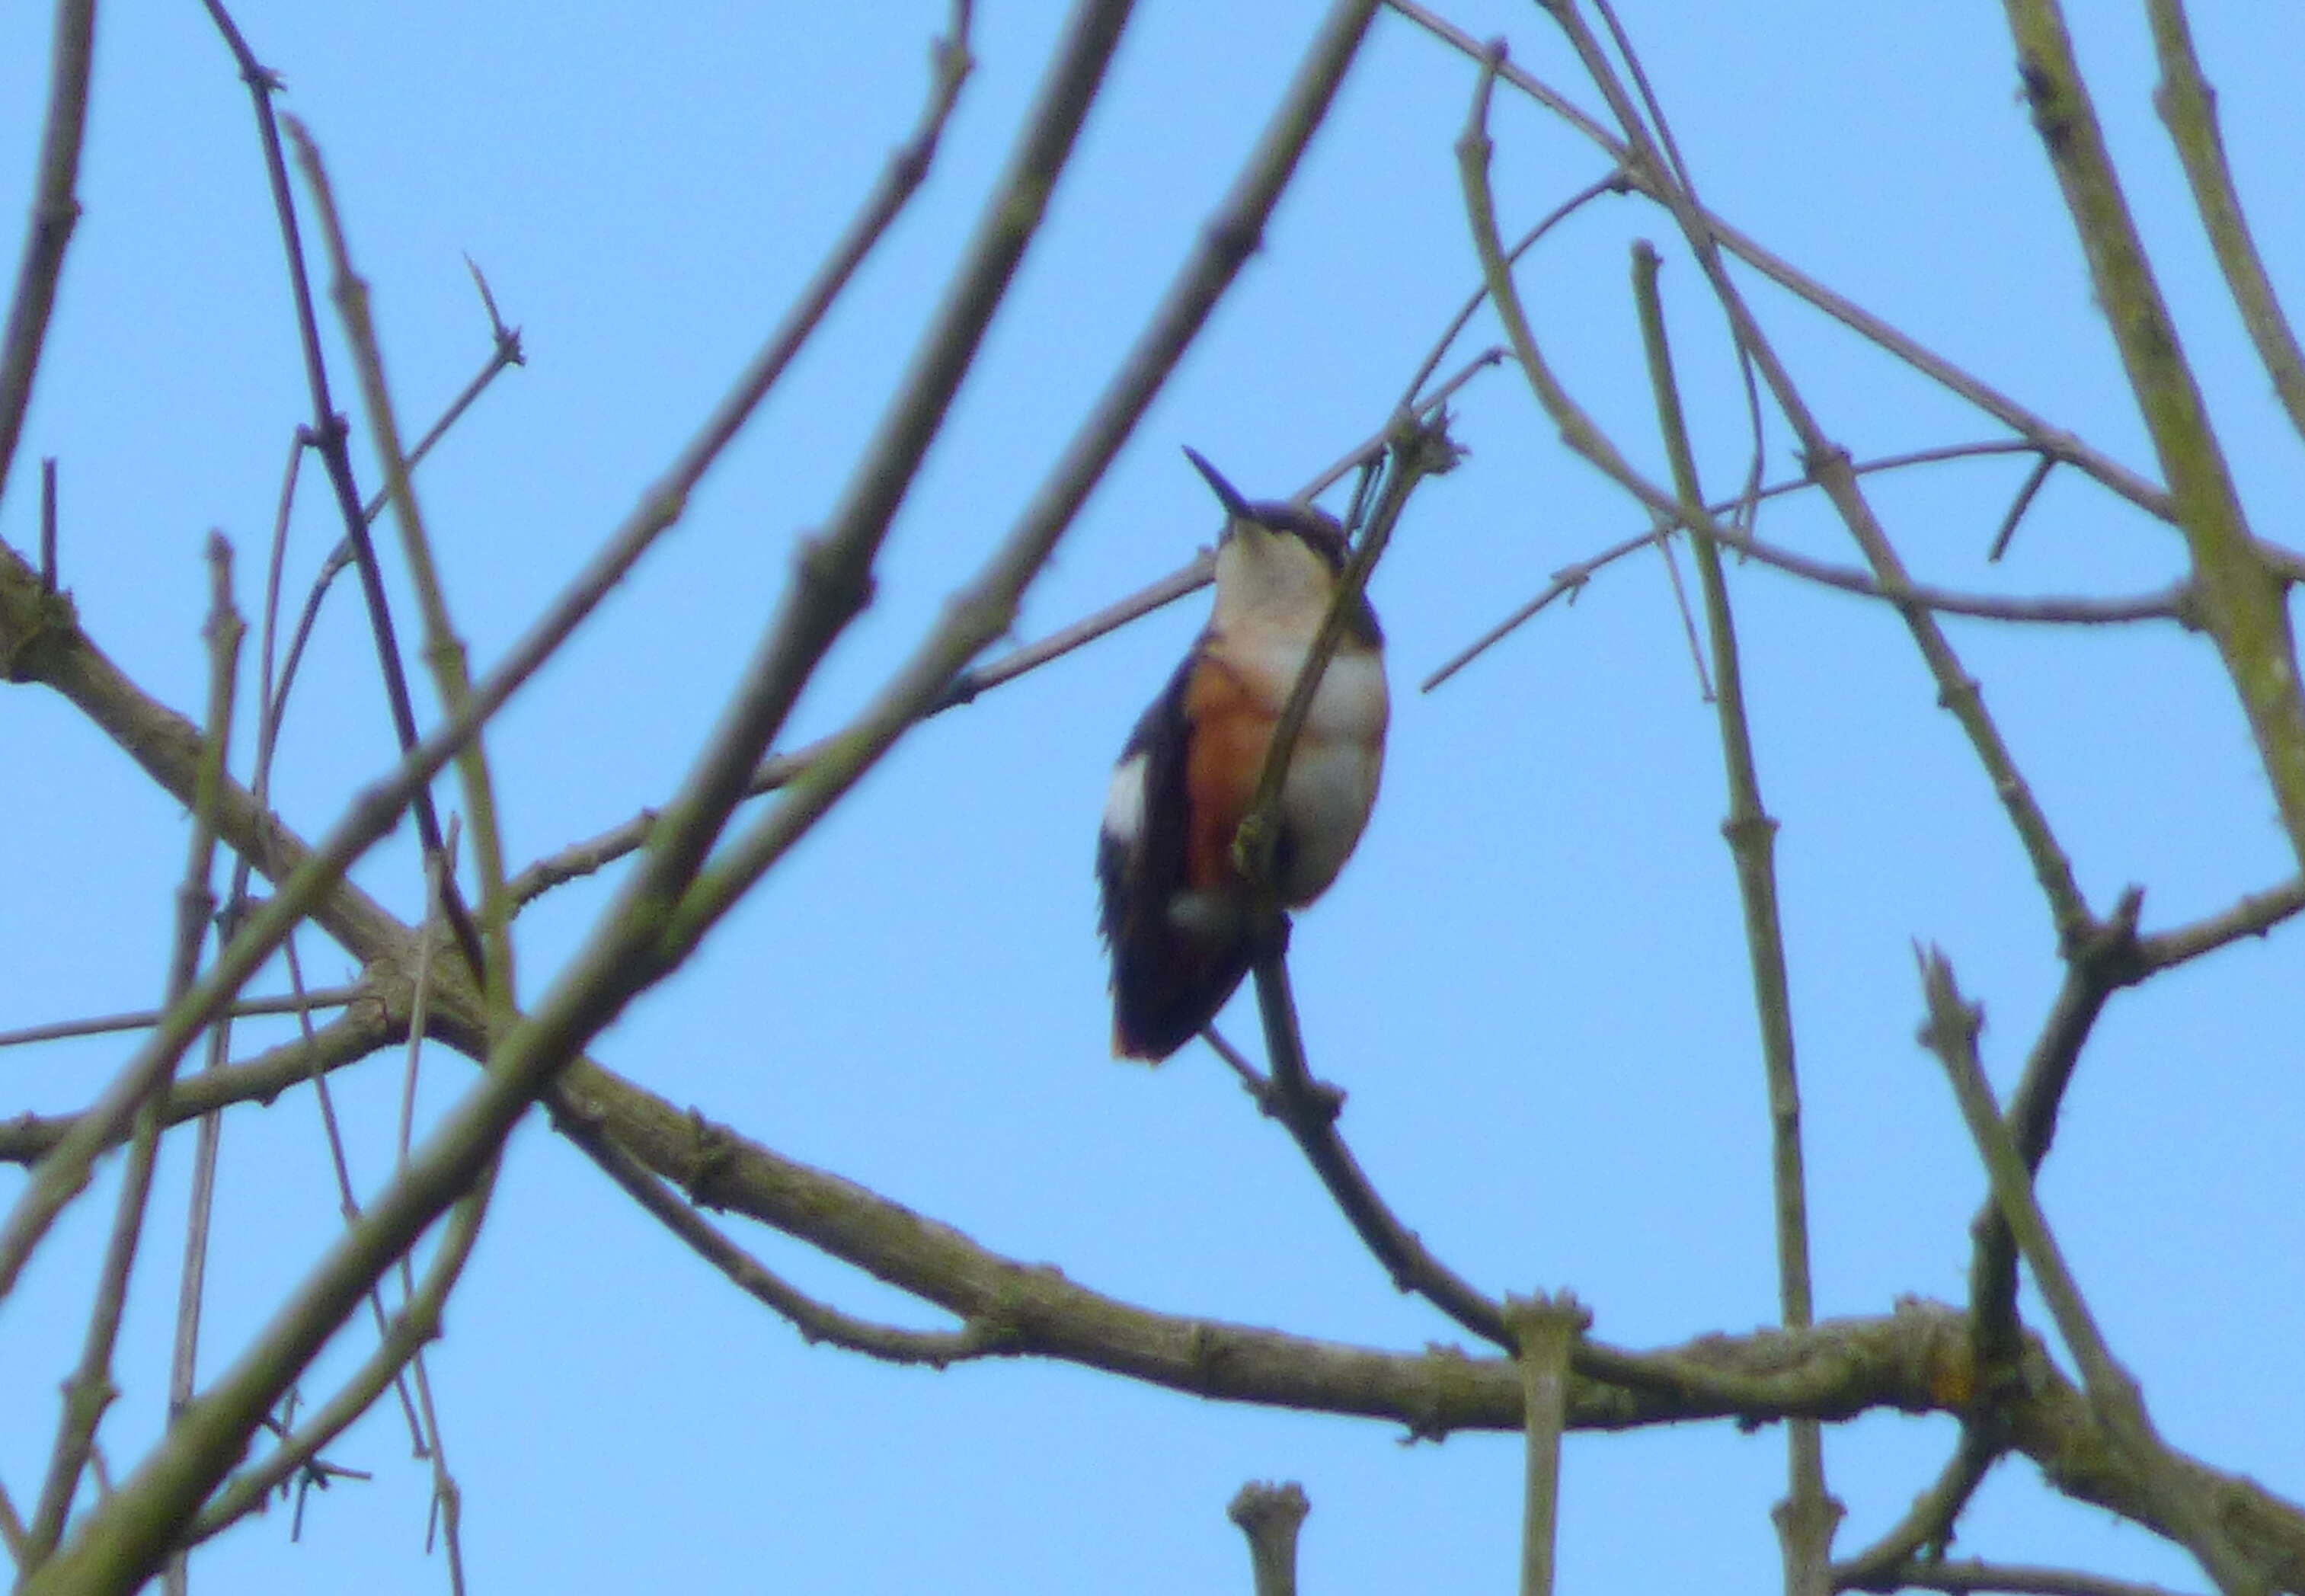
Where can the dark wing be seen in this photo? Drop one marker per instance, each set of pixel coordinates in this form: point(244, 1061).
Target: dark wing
point(1167, 983)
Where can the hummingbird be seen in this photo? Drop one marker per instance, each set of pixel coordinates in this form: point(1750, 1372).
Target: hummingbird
point(1176, 907)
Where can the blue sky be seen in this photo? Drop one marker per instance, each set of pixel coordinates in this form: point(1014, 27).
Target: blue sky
point(1531, 979)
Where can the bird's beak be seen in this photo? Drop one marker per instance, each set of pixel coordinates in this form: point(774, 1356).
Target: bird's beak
point(1235, 507)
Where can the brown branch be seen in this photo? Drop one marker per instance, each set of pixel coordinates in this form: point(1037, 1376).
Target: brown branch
point(329, 434)
point(49, 525)
point(2096, 967)
point(136, 1019)
point(1918, 1360)
point(986, 607)
point(816, 1321)
point(55, 209)
point(1615, 183)
point(2038, 433)
point(1958, 691)
point(777, 771)
point(89, 1391)
point(2018, 507)
point(2241, 603)
point(1927, 1529)
point(1307, 1109)
point(2190, 107)
point(2023, 1580)
point(2176, 1497)
point(1806, 1518)
point(1271, 1516)
point(2167, 604)
point(1545, 1330)
point(507, 352)
point(2255, 914)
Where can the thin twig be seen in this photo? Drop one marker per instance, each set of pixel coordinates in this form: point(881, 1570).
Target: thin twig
point(55, 208)
point(329, 434)
point(447, 1495)
point(1419, 449)
point(2038, 433)
point(2169, 603)
point(506, 352)
point(1613, 183)
point(2017, 509)
point(192, 1282)
point(1308, 1109)
point(2255, 914)
point(2020, 1579)
point(1805, 1519)
point(816, 1321)
point(2188, 106)
point(1957, 691)
point(286, 1003)
point(362, 1031)
point(49, 525)
point(987, 607)
point(779, 770)
point(91, 1389)
point(2097, 966)
point(1688, 616)
point(416, 1323)
point(192, 1278)
point(2114, 1399)
point(1927, 1529)
point(444, 649)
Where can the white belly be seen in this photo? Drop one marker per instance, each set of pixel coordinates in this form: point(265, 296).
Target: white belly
point(1324, 804)
point(1333, 771)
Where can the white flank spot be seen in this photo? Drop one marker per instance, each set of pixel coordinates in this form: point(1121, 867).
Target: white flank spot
point(1124, 801)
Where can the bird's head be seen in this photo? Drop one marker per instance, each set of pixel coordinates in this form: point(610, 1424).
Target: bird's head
point(1278, 563)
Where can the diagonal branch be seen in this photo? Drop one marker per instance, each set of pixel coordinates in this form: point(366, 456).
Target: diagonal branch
point(2038, 433)
point(1830, 463)
point(1807, 1517)
point(2242, 603)
point(327, 434)
point(987, 607)
point(2176, 1496)
point(55, 209)
point(2190, 107)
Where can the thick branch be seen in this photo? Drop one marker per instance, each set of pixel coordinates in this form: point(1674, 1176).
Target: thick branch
point(2242, 603)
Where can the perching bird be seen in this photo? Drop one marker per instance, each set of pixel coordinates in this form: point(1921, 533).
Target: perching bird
point(1176, 907)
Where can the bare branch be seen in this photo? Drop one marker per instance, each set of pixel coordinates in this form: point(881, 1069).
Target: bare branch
point(136, 1019)
point(55, 209)
point(2039, 434)
point(2014, 1578)
point(816, 1321)
point(364, 1029)
point(91, 1389)
point(1271, 1516)
point(1546, 1330)
point(2190, 107)
point(2242, 603)
point(1828, 461)
point(987, 607)
point(2176, 1496)
point(1807, 1516)
point(2255, 914)
point(1919, 1539)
